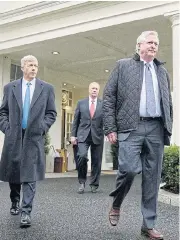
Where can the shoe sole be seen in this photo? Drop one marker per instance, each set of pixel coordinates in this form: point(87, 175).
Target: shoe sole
point(25, 225)
point(14, 213)
point(81, 192)
point(93, 191)
point(152, 238)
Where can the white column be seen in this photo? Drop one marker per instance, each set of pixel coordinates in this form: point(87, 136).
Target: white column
point(5, 68)
point(174, 17)
point(54, 78)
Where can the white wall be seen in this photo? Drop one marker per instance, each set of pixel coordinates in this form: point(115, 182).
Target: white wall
point(54, 78)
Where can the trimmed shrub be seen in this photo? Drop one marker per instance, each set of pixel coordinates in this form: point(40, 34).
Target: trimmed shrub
point(170, 171)
point(47, 143)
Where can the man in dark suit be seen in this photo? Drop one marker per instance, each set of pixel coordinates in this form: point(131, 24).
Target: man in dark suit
point(138, 113)
point(87, 131)
point(26, 114)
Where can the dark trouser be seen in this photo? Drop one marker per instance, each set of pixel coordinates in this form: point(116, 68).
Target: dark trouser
point(75, 151)
point(96, 160)
point(141, 151)
point(28, 190)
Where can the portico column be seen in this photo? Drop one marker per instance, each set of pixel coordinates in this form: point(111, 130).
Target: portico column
point(5, 68)
point(174, 17)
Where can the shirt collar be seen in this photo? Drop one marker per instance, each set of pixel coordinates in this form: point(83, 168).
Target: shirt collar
point(90, 99)
point(32, 81)
point(150, 63)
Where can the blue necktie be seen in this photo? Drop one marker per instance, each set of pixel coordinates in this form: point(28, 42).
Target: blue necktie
point(150, 96)
point(26, 106)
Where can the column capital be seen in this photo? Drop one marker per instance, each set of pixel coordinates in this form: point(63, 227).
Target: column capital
point(173, 16)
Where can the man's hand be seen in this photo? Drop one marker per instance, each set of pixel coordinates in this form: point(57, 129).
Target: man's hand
point(112, 137)
point(73, 140)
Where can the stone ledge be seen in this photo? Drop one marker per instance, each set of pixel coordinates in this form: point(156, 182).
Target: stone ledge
point(168, 198)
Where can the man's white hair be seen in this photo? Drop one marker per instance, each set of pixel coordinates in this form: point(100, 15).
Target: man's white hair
point(143, 37)
point(28, 58)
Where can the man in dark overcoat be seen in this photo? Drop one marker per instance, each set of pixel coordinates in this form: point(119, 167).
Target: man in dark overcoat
point(26, 114)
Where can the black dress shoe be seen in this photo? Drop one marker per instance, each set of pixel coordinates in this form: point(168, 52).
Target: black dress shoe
point(81, 188)
point(25, 220)
point(15, 210)
point(94, 189)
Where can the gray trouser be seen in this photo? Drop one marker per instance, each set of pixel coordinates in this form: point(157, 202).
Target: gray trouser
point(141, 151)
point(28, 190)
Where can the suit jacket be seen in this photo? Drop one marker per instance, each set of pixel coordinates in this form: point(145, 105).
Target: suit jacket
point(83, 123)
point(25, 162)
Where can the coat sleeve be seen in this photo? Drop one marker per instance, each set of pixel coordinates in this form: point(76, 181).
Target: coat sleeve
point(4, 111)
point(110, 101)
point(170, 98)
point(50, 112)
point(76, 121)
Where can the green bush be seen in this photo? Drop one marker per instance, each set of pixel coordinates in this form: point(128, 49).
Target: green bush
point(170, 171)
point(47, 143)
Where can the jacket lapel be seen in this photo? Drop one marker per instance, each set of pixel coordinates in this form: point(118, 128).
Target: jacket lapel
point(37, 91)
point(97, 107)
point(87, 107)
point(17, 90)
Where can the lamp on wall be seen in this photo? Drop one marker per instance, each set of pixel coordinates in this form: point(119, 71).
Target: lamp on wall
point(55, 53)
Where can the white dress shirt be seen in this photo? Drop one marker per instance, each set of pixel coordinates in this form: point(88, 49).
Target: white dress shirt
point(95, 102)
point(24, 87)
point(142, 109)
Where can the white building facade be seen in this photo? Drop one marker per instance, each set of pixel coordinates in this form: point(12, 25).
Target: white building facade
point(79, 42)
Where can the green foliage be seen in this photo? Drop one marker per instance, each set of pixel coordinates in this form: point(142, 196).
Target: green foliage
point(170, 172)
point(47, 143)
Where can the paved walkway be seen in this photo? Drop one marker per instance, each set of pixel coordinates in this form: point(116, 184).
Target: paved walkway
point(61, 214)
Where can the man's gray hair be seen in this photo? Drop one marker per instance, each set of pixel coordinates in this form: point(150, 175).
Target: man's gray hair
point(28, 58)
point(143, 37)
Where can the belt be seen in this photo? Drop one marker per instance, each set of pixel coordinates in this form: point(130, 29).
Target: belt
point(150, 118)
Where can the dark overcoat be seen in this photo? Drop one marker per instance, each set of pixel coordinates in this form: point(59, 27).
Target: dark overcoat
point(23, 160)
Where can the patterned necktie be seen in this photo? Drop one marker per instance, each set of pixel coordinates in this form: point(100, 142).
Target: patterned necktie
point(26, 106)
point(150, 97)
point(92, 109)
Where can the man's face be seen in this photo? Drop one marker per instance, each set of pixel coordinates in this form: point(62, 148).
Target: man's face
point(149, 48)
point(93, 90)
point(30, 69)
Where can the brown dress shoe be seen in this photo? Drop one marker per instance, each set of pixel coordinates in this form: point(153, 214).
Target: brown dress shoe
point(114, 215)
point(153, 234)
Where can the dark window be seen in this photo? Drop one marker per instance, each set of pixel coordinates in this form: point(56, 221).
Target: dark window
point(13, 72)
point(16, 72)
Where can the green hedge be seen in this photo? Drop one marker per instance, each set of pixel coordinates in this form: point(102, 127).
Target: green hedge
point(170, 171)
point(47, 143)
